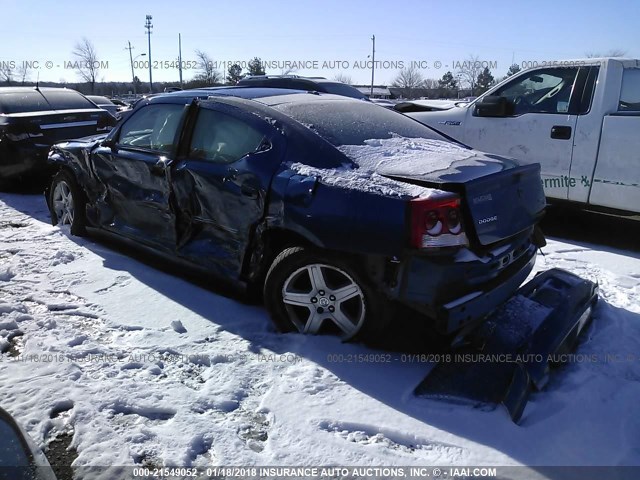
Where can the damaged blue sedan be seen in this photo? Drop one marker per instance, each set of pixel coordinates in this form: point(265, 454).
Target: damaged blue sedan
point(334, 209)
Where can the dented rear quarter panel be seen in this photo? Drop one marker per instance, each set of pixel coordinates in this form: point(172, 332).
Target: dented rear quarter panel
point(337, 218)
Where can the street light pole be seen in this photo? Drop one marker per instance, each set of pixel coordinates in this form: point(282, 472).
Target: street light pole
point(180, 58)
point(131, 59)
point(373, 62)
point(133, 75)
point(148, 25)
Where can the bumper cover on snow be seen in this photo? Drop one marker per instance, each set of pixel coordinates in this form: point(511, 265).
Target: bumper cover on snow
point(511, 353)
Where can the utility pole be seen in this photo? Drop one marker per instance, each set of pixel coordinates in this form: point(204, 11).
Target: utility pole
point(148, 25)
point(180, 58)
point(373, 62)
point(133, 75)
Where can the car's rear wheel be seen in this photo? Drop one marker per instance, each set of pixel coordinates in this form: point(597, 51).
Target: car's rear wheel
point(67, 203)
point(314, 292)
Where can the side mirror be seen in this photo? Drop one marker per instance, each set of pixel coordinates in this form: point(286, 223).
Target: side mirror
point(19, 457)
point(109, 143)
point(492, 106)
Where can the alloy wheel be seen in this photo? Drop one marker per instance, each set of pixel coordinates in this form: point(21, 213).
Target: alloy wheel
point(63, 204)
point(319, 293)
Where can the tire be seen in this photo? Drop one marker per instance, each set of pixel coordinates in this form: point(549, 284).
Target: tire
point(67, 203)
point(308, 290)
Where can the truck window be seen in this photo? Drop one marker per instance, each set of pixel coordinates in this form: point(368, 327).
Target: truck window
point(630, 92)
point(541, 91)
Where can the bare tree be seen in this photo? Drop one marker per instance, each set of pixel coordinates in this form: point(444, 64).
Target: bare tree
point(344, 78)
point(6, 73)
point(469, 70)
point(407, 79)
point(430, 83)
point(23, 73)
point(87, 63)
point(614, 52)
point(207, 73)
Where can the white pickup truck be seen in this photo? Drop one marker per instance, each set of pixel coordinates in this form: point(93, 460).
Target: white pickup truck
point(579, 119)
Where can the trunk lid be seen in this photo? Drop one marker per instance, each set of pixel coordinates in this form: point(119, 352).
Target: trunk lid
point(47, 128)
point(505, 203)
point(500, 197)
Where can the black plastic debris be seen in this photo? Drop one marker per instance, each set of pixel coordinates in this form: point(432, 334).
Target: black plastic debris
point(512, 352)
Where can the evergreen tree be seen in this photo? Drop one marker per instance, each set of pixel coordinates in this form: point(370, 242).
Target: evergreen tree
point(485, 80)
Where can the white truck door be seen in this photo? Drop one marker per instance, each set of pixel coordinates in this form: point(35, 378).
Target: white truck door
point(540, 125)
point(616, 179)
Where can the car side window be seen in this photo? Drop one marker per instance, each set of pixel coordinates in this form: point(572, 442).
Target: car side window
point(221, 138)
point(541, 91)
point(630, 92)
point(153, 127)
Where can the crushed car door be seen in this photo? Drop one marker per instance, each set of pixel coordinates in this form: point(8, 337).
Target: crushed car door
point(135, 174)
point(221, 185)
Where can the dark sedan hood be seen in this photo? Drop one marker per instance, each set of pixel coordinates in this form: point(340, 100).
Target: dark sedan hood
point(89, 141)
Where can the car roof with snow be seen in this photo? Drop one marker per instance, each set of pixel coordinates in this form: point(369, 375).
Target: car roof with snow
point(263, 95)
point(247, 92)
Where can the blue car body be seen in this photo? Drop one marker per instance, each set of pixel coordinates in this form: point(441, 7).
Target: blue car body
point(233, 218)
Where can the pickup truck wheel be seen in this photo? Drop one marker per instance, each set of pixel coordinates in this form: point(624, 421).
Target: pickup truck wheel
point(309, 291)
point(67, 203)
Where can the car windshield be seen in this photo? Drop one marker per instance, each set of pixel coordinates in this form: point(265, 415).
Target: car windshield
point(22, 102)
point(352, 123)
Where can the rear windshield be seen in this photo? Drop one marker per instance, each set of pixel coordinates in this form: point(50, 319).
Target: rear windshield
point(351, 123)
point(67, 100)
point(22, 102)
point(344, 90)
point(100, 100)
point(34, 101)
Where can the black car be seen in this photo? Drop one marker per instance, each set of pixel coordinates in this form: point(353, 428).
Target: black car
point(32, 119)
point(262, 187)
point(105, 104)
point(310, 84)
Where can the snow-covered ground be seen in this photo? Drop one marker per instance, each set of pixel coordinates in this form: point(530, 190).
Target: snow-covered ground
point(142, 366)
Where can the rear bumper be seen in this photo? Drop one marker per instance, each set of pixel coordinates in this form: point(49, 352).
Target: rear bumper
point(512, 353)
point(475, 306)
point(23, 161)
point(458, 294)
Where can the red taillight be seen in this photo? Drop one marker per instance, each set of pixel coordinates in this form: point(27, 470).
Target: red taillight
point(437, 223)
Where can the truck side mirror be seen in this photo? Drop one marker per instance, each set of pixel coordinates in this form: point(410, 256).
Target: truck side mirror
point(492, 106)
